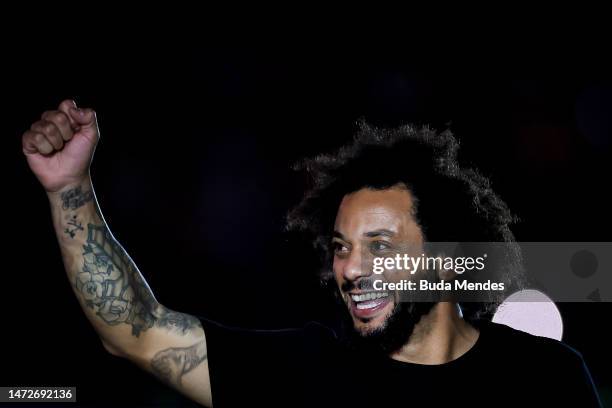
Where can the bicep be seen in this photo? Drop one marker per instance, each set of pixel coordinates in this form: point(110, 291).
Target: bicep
point(177, 354)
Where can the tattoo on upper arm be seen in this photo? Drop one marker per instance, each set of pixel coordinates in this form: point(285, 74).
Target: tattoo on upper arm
point(171, 364)
point(112, 286)
point(76, 198)
point(180, 322)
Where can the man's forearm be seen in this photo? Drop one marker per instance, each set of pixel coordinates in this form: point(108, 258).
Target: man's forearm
point(111, 290)
point(113, 294)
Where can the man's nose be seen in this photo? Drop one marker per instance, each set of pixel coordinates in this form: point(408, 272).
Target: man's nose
point(355, 268)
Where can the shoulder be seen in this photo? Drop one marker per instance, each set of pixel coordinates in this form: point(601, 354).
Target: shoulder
point(311, 335)
point(264, 365)
point(520, 345)
point(554, 368)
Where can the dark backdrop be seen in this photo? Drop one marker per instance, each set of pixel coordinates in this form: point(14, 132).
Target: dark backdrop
point(193, 177)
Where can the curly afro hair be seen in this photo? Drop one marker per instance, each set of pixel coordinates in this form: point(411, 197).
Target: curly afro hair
point(453, 203)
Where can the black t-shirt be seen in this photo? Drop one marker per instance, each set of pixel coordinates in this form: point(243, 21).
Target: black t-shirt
point(310, 367)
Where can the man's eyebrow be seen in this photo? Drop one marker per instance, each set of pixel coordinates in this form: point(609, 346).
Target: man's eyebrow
point(379, 232)
point(339, 235)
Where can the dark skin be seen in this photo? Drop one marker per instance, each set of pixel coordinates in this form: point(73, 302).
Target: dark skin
point(373, 220)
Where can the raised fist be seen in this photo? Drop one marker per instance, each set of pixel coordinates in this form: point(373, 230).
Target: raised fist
point(60, 146)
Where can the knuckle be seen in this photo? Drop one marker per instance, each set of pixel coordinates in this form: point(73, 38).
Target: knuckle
point(36, 125)
point(66, 103)
point(49, 128)
point(39, 138)
point(60, 118)
point(28, 135)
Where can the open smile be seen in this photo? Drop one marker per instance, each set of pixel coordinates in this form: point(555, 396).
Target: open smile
point(366, 305)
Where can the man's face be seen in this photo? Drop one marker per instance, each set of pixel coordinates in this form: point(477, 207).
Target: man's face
point(371, 223)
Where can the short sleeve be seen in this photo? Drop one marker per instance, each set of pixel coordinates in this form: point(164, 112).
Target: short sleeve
point(257, 367)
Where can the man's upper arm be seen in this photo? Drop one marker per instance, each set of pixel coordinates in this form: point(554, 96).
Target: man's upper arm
point(175, 351)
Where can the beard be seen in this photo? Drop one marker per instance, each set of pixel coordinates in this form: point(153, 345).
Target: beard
point(392, 334)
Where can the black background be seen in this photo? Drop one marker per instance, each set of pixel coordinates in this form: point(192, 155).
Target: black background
point(193, 176)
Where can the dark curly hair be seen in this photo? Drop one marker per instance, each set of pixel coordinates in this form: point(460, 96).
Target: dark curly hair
point(453, 203)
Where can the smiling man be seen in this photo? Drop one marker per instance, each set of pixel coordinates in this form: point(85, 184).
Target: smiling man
point(386, 191)
point(374, 221)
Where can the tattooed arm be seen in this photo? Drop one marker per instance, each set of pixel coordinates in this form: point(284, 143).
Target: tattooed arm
point(112, 292)
point(118, 301)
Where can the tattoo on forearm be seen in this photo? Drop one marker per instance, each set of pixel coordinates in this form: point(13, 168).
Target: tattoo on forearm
point(76, 198)
point(171, 364)
point(73, 226)
point(112, 286)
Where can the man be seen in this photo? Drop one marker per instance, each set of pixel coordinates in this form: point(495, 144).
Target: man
point(385, 190)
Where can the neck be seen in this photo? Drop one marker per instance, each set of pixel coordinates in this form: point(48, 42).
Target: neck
point(440, 336)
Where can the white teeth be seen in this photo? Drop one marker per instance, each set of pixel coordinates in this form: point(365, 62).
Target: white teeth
point(369, 296)
point(368, 305)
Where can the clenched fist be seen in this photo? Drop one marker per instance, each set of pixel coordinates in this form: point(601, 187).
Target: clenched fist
point(60, 146)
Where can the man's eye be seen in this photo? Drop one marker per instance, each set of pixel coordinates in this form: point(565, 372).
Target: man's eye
point(379, 246)
point(339, 248)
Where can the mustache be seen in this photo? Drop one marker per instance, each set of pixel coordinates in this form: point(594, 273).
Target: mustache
point(361, 284)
